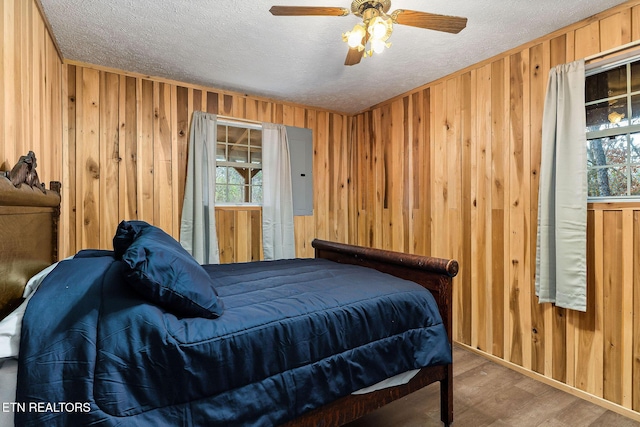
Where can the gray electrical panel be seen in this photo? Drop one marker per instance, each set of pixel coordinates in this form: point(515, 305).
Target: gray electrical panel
point(301, 156)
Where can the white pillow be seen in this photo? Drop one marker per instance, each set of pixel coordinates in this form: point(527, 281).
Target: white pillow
point(11, 325)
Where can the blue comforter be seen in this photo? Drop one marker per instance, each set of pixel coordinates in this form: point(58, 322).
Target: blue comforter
point(294, 335)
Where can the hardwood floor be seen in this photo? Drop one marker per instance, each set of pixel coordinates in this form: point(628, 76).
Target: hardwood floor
point(488, 394)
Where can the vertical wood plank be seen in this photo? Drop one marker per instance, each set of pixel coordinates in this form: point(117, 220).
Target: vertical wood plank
point(88, 158)
point(109, 157)
point(162, 155)
point(122, 148)
point(70, 201)
point(613, 338)
point(9, 132)
point(626, 318)
point(586, 377)
point(636, 309)
point(481, 212)
point(129, 152)
point(538, 74)
point(498, 258)
point(463, 250)
point(587, 41)
point(145, 150)
point(183, 114)
point(242, 236)
point(174, 164)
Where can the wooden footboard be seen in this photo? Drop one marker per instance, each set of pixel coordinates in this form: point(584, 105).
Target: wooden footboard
point(434, 274)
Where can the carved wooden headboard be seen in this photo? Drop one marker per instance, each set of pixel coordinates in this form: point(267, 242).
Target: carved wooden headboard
point(28, 236)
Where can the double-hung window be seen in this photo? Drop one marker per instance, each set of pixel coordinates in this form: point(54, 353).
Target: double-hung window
point(238, 163)
point(612, 95)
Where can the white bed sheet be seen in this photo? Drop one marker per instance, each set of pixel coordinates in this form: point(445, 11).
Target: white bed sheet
point(10, 328)
point(8, 379)
point(11, 325)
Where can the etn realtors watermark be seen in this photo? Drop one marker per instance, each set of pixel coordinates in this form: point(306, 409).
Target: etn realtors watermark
point(41, 407)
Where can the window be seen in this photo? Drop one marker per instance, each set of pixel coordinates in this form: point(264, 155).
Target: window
point(238, 163)
point(613, 131)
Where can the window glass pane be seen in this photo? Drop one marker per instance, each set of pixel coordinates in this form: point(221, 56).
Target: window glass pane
point(616, 149)
point(238, 154)
point(257, 178)
point(594, 178)
point(235, 177)
point(222, 133)
point(617, 181)
point(607, 151)
point(220, 152)
point(221, 193)
point(635, 76)
point(256, 187)
point(607, 115)
point(606, 84)
point(592, 183)
point(256, 138)
point(255, 156)
point(607, 182)
point(238, 136)
point(635, 109)
point(256, 194)
point(221, 175)
point(635, 148)
point(635, 181)
point(235, 193)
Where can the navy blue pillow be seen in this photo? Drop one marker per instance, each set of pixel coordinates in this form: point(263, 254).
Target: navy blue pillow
point(163, 272)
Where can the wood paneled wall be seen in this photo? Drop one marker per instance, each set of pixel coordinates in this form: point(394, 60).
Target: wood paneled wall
point(126, 141)
point(30, 90)
point(451, 169)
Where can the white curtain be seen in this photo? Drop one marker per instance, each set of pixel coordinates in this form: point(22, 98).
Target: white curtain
point(198, 225)
point(277, 201)
point(561, 268)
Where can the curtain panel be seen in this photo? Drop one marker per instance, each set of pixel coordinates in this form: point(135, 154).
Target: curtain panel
point(198, 225)
point(561, 271)
point(277, 197)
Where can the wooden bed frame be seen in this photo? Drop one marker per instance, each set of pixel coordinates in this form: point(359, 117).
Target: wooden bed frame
point(29, 242)
point(435, 274)
point(28, 237)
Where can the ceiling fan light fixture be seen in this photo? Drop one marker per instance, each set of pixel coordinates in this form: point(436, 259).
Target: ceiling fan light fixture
point(371, 34)
point(377, 46)
point(380, 28)
point(355, 36)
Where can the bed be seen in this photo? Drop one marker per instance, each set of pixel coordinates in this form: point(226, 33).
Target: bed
point(305, 342)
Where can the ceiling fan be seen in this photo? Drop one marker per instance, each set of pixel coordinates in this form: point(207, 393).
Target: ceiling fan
point(371, 35)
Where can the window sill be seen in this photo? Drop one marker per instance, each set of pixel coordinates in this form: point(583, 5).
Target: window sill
point(238, 207)
point(613, 205)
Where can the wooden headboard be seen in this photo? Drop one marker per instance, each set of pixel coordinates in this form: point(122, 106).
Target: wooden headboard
point(28, 237)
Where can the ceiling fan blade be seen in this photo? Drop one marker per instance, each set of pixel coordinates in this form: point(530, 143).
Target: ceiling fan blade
point(430, 21)
point(308, 11)
point(353, 56)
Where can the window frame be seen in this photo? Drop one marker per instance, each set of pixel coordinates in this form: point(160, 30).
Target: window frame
point(626, 131)
point(229, 122)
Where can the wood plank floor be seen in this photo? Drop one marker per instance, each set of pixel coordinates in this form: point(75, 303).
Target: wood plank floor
point(488, 394)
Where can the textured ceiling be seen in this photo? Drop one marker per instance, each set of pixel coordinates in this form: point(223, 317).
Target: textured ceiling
point(240, 46)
